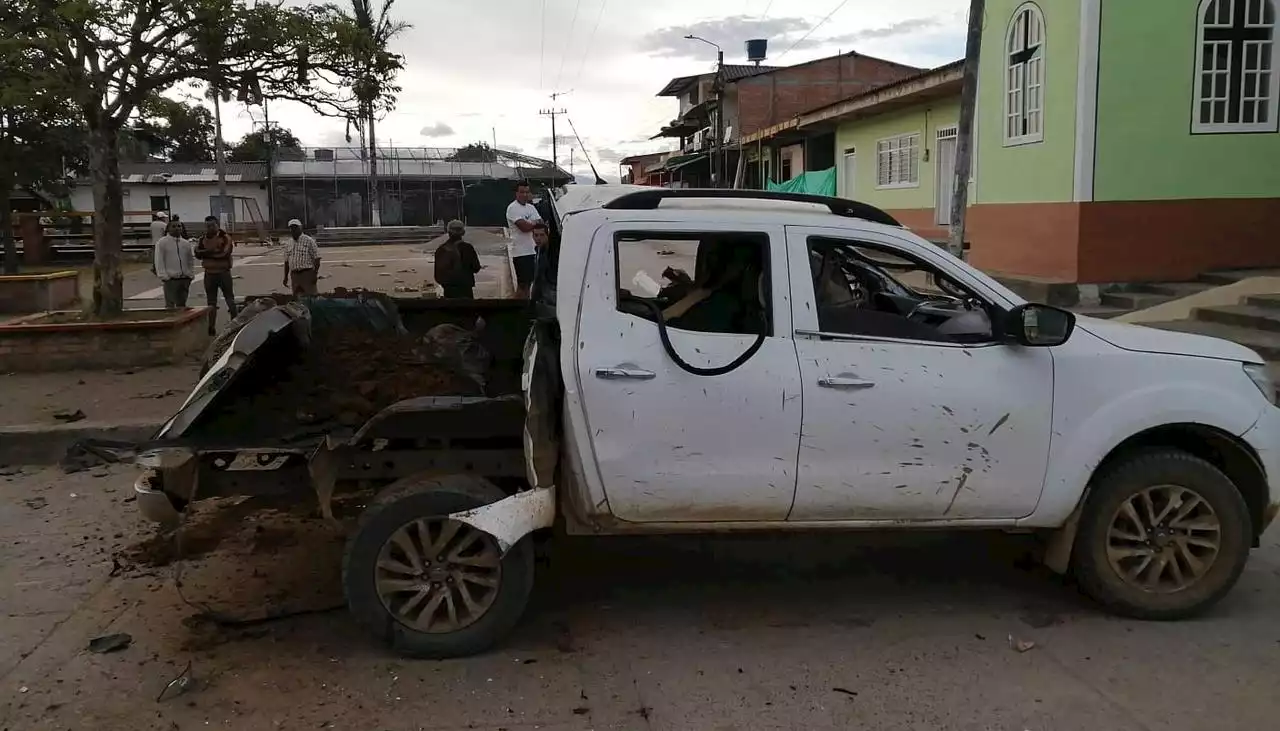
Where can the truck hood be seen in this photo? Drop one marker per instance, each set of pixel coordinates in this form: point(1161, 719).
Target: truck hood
point(1144, 339)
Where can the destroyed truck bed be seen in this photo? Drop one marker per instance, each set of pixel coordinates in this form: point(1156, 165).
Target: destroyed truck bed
point(272, 416)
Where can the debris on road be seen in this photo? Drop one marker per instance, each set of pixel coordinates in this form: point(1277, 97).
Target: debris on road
point(845, 691)
point(69, 417)
point(1020, 645)
point(179, 685)
point(110, 643)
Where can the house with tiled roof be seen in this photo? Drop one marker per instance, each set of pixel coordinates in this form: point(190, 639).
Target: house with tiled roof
point(756, 97)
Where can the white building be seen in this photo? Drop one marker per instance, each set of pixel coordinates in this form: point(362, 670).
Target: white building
point(189, 190)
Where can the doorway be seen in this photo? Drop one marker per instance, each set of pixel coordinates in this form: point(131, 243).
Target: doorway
point(848, 173)
point(945, 184)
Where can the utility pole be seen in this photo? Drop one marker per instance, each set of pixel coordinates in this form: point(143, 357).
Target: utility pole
point(553, 112)
point(220, 161)
point(718, 154)
point(270, 139)
point(964, 130)
point(571, 170)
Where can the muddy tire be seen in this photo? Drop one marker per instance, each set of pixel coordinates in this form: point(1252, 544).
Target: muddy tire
point(1163, 535)
point(429, 587)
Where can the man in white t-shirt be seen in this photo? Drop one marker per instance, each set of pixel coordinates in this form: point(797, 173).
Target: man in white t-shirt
point(521, 217)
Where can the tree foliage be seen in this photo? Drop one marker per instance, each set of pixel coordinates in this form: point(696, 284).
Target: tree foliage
point(474, 152)
point(174, 130)
point(40, 135)
point(261, 146)
point(109, 58)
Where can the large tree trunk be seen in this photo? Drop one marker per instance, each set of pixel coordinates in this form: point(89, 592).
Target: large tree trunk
point(108, 220)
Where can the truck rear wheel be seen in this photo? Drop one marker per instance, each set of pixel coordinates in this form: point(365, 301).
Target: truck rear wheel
point(1164, 535)
point(428, 586)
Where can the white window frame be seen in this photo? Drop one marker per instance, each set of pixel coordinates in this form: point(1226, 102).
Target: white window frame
point(1022, 85)
point(894, 147)
point(1270, 94)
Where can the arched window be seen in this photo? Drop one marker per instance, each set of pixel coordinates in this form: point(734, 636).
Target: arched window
point(1024, 77)
point(1237, 80)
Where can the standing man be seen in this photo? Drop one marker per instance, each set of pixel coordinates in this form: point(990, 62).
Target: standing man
point(159, 225)
point(174, 261)
point(214, 253)
point(521, 217)
point(301, 260)
point(456, 264)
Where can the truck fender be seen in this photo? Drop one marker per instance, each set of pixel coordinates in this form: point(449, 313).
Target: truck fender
point(1080, 445)
point(512, 518)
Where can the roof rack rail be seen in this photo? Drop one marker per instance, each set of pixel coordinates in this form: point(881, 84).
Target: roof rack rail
point(647, 200)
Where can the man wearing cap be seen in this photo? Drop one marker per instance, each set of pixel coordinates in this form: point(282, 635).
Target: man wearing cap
point(159, 226)
point(301, 260)
point(456, 264)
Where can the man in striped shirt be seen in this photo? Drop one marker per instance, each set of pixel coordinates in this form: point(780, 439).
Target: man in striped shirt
point(301, 260)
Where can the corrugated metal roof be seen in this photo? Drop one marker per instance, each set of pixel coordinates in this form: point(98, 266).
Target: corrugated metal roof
point(190, 172)
point(732, 72)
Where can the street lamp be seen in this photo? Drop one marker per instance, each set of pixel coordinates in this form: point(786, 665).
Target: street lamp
point(717, 138)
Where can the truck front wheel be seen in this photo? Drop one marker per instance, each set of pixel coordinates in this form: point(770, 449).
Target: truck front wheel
point(1163, 535)
point(429, 586)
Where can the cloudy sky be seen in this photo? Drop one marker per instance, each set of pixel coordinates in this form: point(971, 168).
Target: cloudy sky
point(484, 66)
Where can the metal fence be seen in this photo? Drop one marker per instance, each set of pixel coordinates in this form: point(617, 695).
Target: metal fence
point(418, 186)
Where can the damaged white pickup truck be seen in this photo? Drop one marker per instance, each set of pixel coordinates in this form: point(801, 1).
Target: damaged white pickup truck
point(699, 361)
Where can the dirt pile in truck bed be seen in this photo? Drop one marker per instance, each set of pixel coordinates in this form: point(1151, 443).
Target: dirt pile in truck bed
point(342, 379)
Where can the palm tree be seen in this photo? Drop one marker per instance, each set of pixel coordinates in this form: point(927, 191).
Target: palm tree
point(374, 32)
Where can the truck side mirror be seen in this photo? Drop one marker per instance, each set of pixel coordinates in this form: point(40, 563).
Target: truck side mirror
point(1035, 325)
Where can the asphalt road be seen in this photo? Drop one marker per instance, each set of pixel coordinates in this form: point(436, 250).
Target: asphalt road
point(769, 632)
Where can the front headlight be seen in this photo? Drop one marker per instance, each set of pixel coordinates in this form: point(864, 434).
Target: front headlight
point(1261, 378)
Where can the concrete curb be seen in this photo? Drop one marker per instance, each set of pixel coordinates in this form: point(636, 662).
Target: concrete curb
point(43, 444)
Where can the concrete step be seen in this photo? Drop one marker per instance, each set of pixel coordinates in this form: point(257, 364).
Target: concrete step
point(1266, 344)
point(1133, 300)
point(1175, 290)
point(1267, 301)
point(1248, 316)
point(1231, 276)
point(1100, 311)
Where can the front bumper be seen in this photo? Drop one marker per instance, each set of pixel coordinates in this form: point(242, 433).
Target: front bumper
point(1264, 437)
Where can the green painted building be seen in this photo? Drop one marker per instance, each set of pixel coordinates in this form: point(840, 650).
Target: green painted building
point(1114, 140)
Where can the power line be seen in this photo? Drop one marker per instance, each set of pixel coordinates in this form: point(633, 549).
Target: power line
point(811, 30)
point(765, 13)
point(568, 39)
point(587, 51)
point(542, 50)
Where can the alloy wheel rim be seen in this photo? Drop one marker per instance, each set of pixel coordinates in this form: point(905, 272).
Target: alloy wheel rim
point(437, 575)
point(1163, 539)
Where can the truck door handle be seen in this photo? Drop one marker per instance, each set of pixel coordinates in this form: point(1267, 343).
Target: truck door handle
point(844, 382)
point(612, 374)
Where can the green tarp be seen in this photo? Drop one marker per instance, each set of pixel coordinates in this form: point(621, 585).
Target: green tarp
point(817, 182)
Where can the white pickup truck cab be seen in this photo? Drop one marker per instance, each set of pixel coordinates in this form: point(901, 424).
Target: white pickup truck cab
point(739, 360)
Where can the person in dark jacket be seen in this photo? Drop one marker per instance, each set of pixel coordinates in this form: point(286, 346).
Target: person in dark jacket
point(456, 263)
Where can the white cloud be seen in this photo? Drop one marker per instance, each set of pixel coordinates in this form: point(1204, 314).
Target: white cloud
point(496, 91)
point(439, 129)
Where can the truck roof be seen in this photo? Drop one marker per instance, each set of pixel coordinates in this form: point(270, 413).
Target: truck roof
point(746, 206)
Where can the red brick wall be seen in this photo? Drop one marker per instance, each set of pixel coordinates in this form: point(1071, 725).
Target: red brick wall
point(771, 98)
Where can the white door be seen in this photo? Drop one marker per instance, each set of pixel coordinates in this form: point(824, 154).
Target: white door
point(945, 182)
point(670, 445)
point(849, 175)
point(901, 421)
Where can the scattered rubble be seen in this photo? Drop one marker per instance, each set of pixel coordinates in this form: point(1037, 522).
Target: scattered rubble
point(110, 643)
